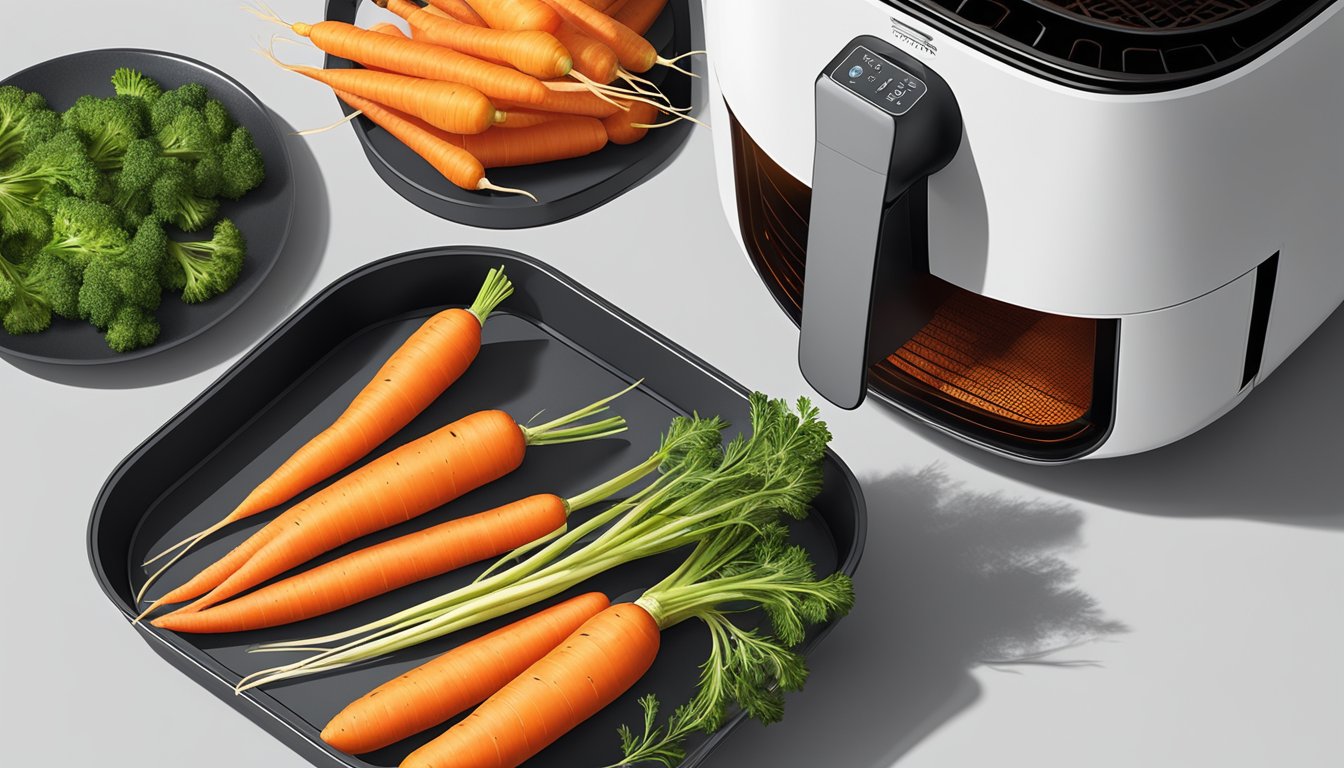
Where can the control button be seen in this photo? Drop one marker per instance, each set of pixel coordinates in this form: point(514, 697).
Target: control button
point(855, 72)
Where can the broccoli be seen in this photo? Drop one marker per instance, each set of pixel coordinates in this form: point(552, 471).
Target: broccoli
point(23, 309)
point(191, 97)
point(57, 282)
point(25, 121)
point(107, 125)
point(187, 136)
point(82, 230)
point(131, 329)
point(219, 121)
point(60, 162)
point(242, 167)
point(205, 269)
point(130, 185)
point(129, 82)
point(127, 279)
point(173, 197)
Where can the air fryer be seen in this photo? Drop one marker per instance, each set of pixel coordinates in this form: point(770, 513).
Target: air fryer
point(1055, 229)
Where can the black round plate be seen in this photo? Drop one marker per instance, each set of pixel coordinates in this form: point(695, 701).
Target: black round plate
point(565, 188)
point(263, 215)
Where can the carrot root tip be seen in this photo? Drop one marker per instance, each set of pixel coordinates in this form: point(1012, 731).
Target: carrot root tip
point(487, 185)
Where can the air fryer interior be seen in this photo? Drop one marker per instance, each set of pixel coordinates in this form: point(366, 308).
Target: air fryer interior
point(1025, 382)
point(1120, 44)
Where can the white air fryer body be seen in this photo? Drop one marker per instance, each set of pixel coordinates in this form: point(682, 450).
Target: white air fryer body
point(1155, 209)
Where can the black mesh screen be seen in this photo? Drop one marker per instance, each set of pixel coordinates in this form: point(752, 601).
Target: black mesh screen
point(1122, 44)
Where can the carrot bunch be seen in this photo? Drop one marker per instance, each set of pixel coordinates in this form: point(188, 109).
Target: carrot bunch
point(473, 68)
point(400, 485)
point(545, 674)
point(421, 369)
point(704, 490)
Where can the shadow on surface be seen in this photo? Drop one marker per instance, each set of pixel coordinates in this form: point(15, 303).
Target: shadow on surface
point(276, 297)
point(1267, 460)
point(950, 580)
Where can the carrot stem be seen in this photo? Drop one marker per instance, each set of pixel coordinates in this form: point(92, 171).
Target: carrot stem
point(560, 431)
point(494, 291)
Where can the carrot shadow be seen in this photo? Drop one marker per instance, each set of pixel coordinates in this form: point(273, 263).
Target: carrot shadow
point(951, 581)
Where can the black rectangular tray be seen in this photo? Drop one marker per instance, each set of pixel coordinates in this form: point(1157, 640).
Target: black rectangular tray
point(554, 346)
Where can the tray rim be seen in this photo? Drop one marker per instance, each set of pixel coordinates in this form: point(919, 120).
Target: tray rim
point(271, 708)
point(242, 297)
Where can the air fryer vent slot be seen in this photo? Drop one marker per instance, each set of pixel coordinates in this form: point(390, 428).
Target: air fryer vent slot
point(1121, 44)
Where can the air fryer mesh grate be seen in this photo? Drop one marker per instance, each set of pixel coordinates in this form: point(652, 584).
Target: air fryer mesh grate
point(1134, 44)
point(1157, 14)
point(1013, 362)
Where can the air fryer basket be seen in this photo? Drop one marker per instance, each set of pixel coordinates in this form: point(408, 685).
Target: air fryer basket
point(1031, 384)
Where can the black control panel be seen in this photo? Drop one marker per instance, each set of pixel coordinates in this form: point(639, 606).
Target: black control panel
point(879, 81)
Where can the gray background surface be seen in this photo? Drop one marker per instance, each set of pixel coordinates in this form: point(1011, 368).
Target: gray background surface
point(1200, 583)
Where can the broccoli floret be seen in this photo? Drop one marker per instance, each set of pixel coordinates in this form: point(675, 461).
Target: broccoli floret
point(173, 197)
point(129, 187)
point(83, 230)
point(108, 126)
point(57, 281)
point(207, 175)
point(129, 82)
point(242, 166)
point(127, 279)
point(191, 97)
point(25, 121)
point(58, 164)
point(187, 136)
point(205, 269)
point(23, 309)
point(131, 329)
point(219, 121)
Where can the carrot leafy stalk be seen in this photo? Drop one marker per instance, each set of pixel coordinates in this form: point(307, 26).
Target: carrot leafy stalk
point(747, 669)
point(706, 490)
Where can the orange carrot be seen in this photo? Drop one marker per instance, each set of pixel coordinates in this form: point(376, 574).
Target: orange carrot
point(425, 365)
point(522, 118)
point(597, 663)
point(592, 59)
point(414, 58)
point(583, 103)
point(391, 30)
point(634, 52)
point(381, 568)
point(451, 106)
point(559, 139)
point(457, 9)
point(628, 127)
point(400, 485)
point(456, 164)
point(517, 14)
point(536, 53)
point(638, 15)
point(439, 690)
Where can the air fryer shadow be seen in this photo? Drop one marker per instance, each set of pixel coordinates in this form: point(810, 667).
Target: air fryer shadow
point(1029, 383)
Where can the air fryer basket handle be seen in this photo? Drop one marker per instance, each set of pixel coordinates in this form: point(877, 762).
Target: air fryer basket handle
point(876, 144)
